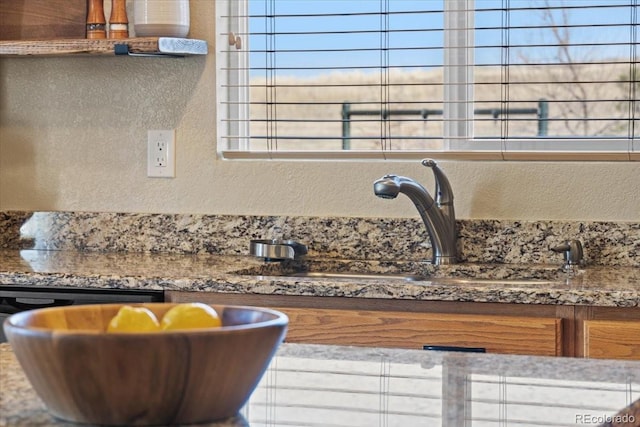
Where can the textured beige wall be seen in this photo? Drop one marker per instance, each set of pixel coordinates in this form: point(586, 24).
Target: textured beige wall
point(73, 137)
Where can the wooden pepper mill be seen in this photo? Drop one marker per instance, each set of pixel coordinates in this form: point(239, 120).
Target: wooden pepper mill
point(96, 24)
point(118, 22)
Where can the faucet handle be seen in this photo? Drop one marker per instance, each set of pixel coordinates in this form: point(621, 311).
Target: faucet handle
point(572, 251)
point(444, 193)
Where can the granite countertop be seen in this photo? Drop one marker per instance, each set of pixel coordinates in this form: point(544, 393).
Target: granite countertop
point(369, 386)
point(546, 284)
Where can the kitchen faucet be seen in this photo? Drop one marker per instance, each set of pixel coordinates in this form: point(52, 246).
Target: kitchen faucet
point(438, 215)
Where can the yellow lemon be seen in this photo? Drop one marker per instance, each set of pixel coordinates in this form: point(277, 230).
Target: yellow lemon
point(190, 316)
point(134, 319)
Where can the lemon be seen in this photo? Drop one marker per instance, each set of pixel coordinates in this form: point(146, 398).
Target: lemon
point(190, 316)
point(134, 319)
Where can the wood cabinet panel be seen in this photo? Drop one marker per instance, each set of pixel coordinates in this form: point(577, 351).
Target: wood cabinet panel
point(612, 339)
point(499, 328)
point(497, 334)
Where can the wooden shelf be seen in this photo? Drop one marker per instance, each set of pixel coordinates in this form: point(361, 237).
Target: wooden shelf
point(142, 46)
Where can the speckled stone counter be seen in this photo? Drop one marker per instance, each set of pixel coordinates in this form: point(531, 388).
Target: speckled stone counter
point(310, 385)
point(209, 253)
point(545, 284)
point(479, 241)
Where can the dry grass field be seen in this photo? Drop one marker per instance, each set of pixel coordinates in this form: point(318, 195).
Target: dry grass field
point(309, 110)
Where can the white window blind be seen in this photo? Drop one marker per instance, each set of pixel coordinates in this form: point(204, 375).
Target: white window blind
point(399, 78)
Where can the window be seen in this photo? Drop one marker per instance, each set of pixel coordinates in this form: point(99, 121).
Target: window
point(405, 78)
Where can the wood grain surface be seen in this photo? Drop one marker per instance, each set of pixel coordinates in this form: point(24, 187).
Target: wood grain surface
point(496, 334)
point(42, 19)
point(84, 374)
point(612, 339)
point(136, 45)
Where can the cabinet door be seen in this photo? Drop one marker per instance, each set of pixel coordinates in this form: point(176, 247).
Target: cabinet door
point(497, 334)
point(612, 339)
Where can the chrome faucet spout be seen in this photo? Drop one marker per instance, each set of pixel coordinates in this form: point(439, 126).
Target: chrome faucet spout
point(438, 215)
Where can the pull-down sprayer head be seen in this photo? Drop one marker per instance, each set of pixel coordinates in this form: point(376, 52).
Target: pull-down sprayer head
point(387, 187)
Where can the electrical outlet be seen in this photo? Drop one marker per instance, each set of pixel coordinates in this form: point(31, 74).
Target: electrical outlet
point(161, 160)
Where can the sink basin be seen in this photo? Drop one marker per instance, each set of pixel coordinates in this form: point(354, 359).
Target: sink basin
point(357, 276)
point(457, 274)
point(413, 278)
point(485, 281)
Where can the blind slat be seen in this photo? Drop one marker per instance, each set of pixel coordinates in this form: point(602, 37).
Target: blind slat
point(316, 71)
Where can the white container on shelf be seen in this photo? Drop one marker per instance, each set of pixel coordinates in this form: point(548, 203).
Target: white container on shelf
point(161, 18)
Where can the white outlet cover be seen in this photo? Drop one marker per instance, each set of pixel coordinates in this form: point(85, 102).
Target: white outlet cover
point(161, 159)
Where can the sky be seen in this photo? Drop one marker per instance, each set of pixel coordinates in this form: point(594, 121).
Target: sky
point(419, 37)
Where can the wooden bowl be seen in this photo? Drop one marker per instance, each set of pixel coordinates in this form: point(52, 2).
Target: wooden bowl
point(84, 374)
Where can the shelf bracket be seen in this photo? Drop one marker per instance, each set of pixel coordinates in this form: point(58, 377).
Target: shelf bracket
point(168, 47)
point(121, 49)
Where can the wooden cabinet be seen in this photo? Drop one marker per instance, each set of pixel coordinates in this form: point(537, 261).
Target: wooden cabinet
point(612, 339)
point(564, 330)
point(608, 332)
point(498, 328)
point(495, 334)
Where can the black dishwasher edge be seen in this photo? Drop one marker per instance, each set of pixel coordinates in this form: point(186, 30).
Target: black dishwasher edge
point(14, 299)
point(81, 295)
